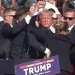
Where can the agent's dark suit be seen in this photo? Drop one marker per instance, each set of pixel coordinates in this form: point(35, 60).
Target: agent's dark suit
point(33, 19)
point(19, 41)
point(37, 47)
point(20, 47)
point(18, 51)
point(72, 54)
point(58, 44)
point(16, 35)
point(43, 43)
point(4, 44)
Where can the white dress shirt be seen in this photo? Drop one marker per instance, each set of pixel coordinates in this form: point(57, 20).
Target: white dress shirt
point(52, 29)
point(70, 28)
point(11, 25)
point(27, 19)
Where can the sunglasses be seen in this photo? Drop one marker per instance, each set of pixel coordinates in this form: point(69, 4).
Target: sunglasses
point(14, 16)
point(69, 18)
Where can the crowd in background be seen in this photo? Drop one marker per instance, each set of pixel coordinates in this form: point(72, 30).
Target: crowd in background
point(37, 29)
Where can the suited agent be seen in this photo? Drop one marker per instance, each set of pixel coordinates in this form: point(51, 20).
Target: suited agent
point(17, 51)
point(10, 29)
point(69, 18)
point(5, 40)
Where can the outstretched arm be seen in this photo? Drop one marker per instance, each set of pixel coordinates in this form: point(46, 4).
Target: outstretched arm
point(37, 45)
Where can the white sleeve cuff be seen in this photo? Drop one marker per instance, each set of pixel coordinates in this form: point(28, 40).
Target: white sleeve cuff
point(47, 51)
point(27, 19)
point(36, 13)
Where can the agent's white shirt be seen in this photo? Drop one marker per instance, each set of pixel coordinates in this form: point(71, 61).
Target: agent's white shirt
point(52, 29)
point(11, 25)
point(70, 28)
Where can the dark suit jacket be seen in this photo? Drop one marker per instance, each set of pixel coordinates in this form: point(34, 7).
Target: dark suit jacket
point(9, 32)
point(59, 45)
point(37, 47)
point(32, 21)
point(33, 48)
point(4, 43)
point(16, 34)
point(20, 40)
point(72, 50)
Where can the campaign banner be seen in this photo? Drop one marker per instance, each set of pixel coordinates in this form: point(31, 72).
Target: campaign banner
point(47, 66)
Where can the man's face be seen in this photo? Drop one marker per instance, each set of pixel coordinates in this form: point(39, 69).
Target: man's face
point(41, 3)
point(69, 18)
point(10, 16)
point(46, 20)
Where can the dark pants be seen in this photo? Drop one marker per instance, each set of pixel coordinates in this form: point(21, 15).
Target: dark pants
point(4, 48)
point(72, 58)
